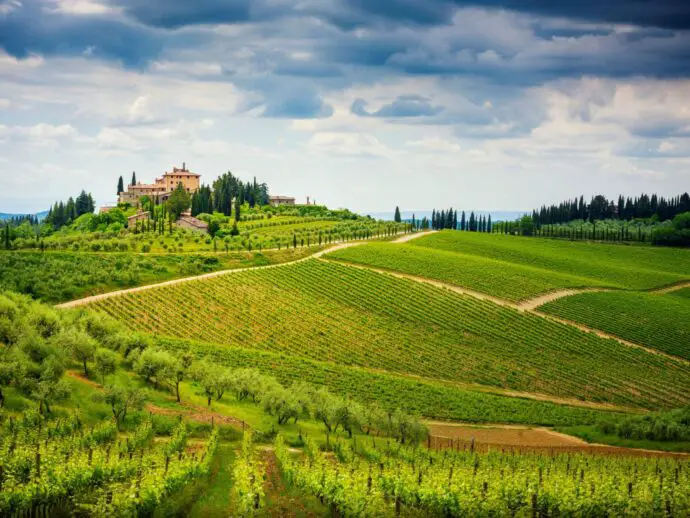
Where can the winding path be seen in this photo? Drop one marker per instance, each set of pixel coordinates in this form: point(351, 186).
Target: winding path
point(672, 287)
point(101, 296)
point(528, 306)
point(110, 294)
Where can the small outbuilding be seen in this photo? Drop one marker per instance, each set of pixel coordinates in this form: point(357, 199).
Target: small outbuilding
point(193, 223)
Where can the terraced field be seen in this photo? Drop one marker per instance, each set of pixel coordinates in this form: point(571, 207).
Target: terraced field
point(430, 398)
point(353, 317)
point(628, 267)
point(658, 321)
point(495, 277)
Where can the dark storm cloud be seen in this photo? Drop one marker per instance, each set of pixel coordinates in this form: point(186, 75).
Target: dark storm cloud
point(33, 29)
point(403, 106)
point(288, 55)
point(670, 14)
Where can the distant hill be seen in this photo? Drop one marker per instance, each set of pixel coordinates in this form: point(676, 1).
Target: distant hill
point(497, 215)
point(4, 215)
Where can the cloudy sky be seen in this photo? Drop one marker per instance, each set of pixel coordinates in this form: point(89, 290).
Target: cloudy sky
point(494, 104)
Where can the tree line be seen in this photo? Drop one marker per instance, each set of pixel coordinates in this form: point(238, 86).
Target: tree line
point(228, 192)
point(599, 208)
point(448, 219)
point(64, 213)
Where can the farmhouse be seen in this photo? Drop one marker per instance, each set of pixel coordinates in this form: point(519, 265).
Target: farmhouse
point(163, 186)
point(281, 200)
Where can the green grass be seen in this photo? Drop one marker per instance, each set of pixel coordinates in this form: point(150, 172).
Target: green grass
point(498, 278)
point(591, 434)
point(62, 276)
point(683, 293)
point(328, 312)
point(425, 397)
point(631, 267)
point(658, 321)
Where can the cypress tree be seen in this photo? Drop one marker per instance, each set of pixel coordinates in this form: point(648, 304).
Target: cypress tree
point(463, 222)
point(120, 186)
point(134, 178)
point(488, 225)
point(7, 236)
point(397, 217)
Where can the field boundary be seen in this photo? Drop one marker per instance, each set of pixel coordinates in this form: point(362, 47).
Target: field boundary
point(534, 302)
point(518, 306)
point(671, 288)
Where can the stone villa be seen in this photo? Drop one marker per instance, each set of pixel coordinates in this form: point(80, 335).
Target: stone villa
point(281, 200)
point(163, 186)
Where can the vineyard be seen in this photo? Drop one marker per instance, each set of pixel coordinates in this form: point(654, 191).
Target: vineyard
point(491, 276)
point(63, 276)
point(254, 234)
point(419, 396)
point(387, 479)
point(62, 467)
point(657, 321)
point(629, 267)
point(352, 317)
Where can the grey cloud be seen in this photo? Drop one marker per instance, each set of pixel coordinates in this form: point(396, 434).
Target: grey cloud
point(404, 106)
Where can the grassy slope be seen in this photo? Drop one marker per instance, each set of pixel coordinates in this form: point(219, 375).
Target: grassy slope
point(495, 277)
point(62, 276)
point(683, 293)
point(323, 311)
point(631, 267)
point(591, 434)
point(416, 395)
point(658, 321)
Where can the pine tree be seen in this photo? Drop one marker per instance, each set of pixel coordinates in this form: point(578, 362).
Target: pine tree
point(120, 186)
point(397, 217)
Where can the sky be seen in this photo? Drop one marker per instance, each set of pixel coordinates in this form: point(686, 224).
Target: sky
point(365, 104)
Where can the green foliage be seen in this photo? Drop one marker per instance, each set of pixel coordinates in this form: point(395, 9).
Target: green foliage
point(673, 425)
point(248, 474)
point(318, 310)
point(179, 201)
point(417, 481)
point(677, 234)
point(658, 321)
point(430, 398)
point(121, 400)
point(638, 267)
point(63, 276)
point(502, 279)
point(105, 362)
point(63, 468)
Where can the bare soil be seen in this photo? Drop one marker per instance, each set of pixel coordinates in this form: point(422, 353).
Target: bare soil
point(524, 439)
point(280, 502)
point(510, 436)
